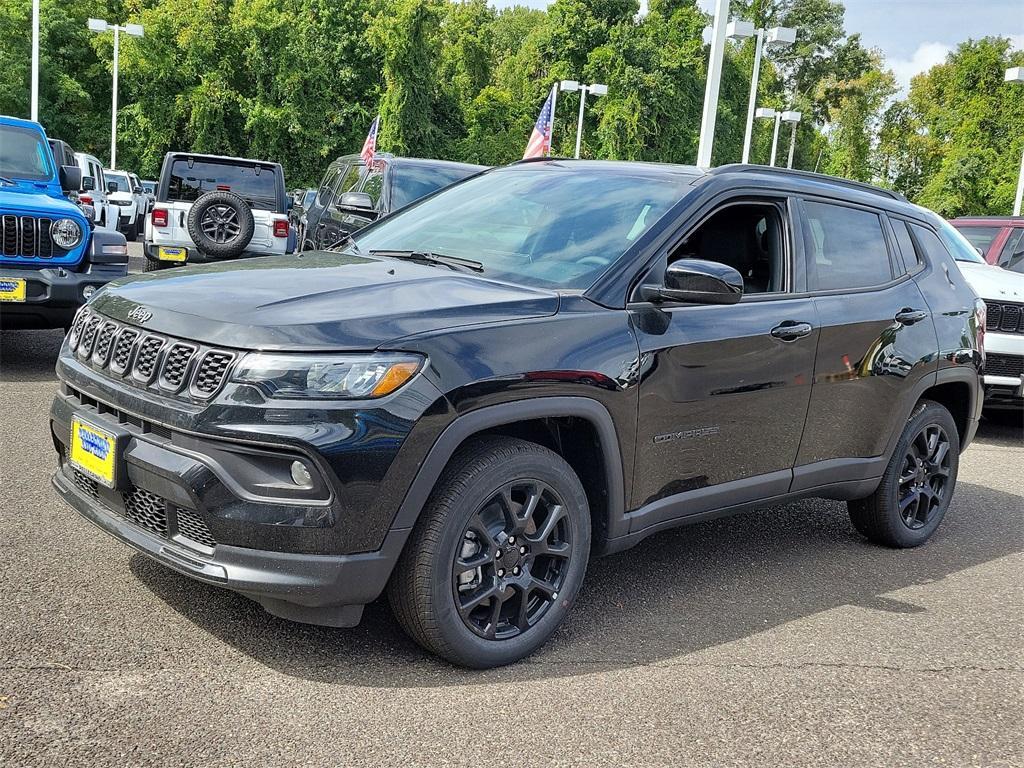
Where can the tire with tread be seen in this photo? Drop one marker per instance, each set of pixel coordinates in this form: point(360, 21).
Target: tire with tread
point(243, 213)
point(877, 517)
point(420, 589)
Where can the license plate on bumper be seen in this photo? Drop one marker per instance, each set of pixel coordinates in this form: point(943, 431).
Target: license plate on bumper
point(165, 253)
point(93, 452)
point(12, 289)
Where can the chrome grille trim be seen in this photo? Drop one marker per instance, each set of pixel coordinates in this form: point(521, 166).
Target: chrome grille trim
point(149, 360)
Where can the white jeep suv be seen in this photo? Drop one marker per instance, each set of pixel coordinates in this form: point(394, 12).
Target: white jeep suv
point(129, 200)
point(1003, 293)
point(213, 208)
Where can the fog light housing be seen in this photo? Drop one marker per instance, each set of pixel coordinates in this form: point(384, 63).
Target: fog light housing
point(301, 475)
point(88, 291)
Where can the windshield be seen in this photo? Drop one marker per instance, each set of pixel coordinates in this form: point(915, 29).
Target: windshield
point(113, 177)
point(149, 186)
point(255, 184)
point(957, 244)
point(24, 154)
point(539, 227)
point(411, 182)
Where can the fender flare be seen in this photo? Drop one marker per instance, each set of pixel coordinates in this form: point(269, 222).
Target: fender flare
point(473, 422)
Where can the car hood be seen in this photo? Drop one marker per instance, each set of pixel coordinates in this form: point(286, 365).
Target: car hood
point(124, 196)
point(994, 283)
point(316, 301)
point(23, 198)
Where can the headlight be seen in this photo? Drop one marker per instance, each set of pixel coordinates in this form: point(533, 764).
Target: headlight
point(327, 376)
point(66, 233)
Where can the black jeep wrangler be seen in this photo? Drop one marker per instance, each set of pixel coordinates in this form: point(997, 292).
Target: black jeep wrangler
point(544, 362)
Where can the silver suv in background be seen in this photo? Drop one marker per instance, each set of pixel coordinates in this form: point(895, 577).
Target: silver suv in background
point(125, 193)
point(213, 208)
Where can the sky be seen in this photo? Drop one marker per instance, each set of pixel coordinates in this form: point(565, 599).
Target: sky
point(914, 35)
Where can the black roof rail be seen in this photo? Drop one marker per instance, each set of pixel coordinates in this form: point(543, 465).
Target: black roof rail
point(810, 176)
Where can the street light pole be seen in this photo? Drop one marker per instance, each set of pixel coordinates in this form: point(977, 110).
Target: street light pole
point(35, 60)
point(561, 85)
point(793, 118)
point(99, 25)
point(775, 136)
point(597, 89)
point(1016, 75)
point(714, 81)
point(774, 37)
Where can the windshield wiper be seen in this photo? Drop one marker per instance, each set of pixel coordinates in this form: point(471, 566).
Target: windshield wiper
point(428, 257)
point(346, 242)
point(8, 182)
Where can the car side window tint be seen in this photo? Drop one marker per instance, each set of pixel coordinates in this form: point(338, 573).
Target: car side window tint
point(1012, 257)
point(749, 237)
point(846, 248)
point(350, 179)
point(323, 195)
point(931, 243)
point(373, 185)
point(905, 242)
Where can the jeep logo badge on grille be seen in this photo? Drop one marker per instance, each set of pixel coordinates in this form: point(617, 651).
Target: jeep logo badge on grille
point(140, 314)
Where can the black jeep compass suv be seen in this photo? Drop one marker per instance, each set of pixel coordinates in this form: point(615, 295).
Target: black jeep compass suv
point(547, 361)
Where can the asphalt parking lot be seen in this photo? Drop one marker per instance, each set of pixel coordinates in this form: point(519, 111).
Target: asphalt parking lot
point(777, 637)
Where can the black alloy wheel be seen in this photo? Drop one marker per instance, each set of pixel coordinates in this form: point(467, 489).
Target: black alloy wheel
point(514, 556)
point(918, 483)
point(925, 477)
point(220, 223)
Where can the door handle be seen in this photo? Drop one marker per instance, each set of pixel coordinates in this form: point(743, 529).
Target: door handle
point(791, 331)
point(908, 316)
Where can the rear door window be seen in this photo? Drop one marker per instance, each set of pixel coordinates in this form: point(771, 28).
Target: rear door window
point(846, 248)
point(189, 179)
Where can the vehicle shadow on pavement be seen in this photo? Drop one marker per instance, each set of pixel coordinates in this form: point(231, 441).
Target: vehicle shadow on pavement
point(676, 593)
point(29, 355)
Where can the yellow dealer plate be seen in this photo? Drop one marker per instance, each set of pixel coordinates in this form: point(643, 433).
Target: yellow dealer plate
point(12, 289)
point(93, 451)
point(165, 253)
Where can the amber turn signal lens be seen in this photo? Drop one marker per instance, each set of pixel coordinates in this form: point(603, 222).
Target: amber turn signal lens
point(397, 375)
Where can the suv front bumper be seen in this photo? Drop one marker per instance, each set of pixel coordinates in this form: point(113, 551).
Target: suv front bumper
point(54, 294)
point(1004, 370)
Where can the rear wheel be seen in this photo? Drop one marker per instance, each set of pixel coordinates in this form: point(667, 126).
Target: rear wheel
point(918, 483)
point(497, 557)
point(149, 265)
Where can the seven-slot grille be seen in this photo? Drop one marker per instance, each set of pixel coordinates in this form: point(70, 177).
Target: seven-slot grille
point(1004, 365)
point(26, 237)
point(147, 358)
point(1003, 317)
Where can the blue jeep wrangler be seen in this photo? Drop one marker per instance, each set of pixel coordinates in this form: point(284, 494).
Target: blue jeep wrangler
point(51, 259)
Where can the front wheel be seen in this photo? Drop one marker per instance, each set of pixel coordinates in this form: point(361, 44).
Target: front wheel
point(497, 556)
point(918, 483)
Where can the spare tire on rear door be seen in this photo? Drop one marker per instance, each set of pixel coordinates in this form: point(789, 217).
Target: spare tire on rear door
point(221, 224)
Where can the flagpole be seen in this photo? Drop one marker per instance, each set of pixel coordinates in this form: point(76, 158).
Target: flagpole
point(554, 101)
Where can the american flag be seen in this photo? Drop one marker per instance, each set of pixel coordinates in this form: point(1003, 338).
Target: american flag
point(540, 139)
point(370, 145)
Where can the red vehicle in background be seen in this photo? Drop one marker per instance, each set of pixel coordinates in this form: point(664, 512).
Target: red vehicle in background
point(1000, 239)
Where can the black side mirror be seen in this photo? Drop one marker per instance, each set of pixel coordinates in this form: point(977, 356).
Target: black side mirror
point(70, 177)
point(358, 201)
point(88, 182)
point(111, 187)
point(694, 281)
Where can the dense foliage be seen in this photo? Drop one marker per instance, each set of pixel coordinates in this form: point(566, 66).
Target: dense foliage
point(300, 80)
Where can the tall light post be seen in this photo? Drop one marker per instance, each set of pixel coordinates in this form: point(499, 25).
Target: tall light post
point(776, 37)
point(767, 113)
point(135, 30)
point(597, 89)
point(793, 118)
point(1016, 75)
point(561, 85)
point(35, 60)
point(710, 113)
